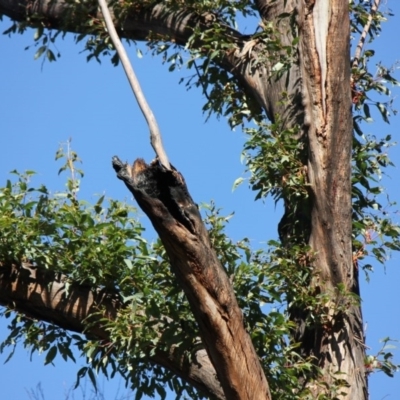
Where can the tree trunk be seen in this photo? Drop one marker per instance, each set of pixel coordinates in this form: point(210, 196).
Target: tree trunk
point(338, 346)
point(318, 86)
point(324, 60)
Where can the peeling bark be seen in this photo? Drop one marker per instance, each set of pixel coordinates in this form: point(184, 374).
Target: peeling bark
point(318, 86)
point(325, 43)
point(162, 194)
point(324, 114)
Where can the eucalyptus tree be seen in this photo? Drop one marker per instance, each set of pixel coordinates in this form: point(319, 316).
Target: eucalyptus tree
point(187, 310)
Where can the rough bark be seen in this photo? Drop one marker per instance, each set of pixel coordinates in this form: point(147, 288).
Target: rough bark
point(325, 110)
point(338, 346)
point(319, 89)
point(42, 294)
point(162, 194)
point(155, 21)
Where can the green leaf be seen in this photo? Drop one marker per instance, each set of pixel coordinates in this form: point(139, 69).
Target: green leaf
point(92, 378)
point(51, 354)
point(278, 66)
point(128, 264)
point(367, 113)
point(384, 111)
point(39, 52)
point(10, 355)
point(50, 55)
point(80, 374)
point(237, 182)
point(162, 392)
point(38, 33)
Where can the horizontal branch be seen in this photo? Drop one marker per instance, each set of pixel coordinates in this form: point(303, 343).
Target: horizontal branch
point(42, 294)
point(156, 22)
point(139, 24)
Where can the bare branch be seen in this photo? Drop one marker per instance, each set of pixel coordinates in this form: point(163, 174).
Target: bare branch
point(364, 34)
point(159, 21)
point(155, 134)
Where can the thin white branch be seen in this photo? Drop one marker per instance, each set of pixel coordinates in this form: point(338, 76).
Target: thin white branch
point(155, 134)
point(364, 34)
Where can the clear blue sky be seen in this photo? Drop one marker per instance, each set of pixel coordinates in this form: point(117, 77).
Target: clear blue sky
point(93, 104)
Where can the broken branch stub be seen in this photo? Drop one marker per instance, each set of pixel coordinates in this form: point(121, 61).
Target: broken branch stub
point(163, 195)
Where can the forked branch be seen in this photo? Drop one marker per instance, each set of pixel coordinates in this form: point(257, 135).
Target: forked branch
point(155, 134)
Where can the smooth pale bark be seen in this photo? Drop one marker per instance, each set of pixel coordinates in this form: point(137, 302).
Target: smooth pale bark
point(155, 133)
point(318, 86)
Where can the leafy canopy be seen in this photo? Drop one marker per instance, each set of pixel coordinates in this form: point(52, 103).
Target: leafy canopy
point(101, 245)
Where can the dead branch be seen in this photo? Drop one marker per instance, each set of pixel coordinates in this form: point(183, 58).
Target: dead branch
point(155, 134)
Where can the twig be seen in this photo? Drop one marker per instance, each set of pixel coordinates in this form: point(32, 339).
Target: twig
point(201, 81)
point(155, 134)
point(364, 34)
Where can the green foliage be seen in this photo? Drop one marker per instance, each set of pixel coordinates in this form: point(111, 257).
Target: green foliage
point(44, 41)
point(382, 360)
point(375, 232)
point(275, 158)
point(260, 280)
point(102, 244)
point(98, 245)
point(225, 95)
point(266, 282)
point(360, 12)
